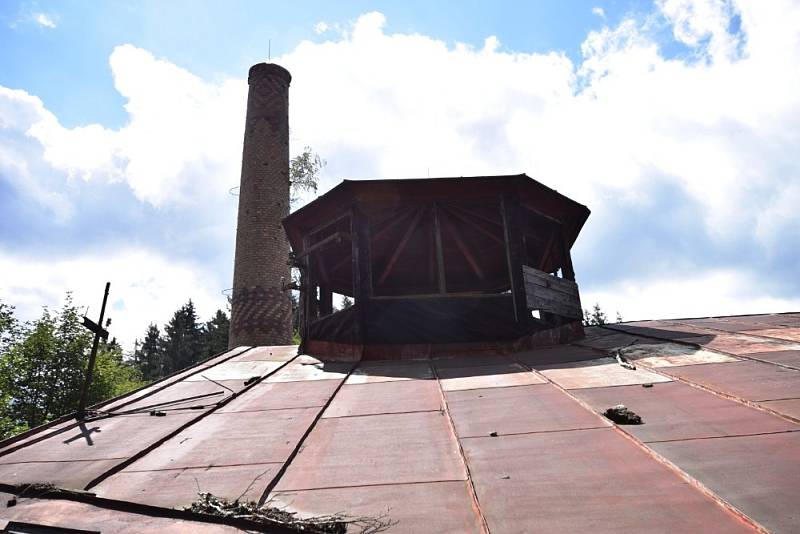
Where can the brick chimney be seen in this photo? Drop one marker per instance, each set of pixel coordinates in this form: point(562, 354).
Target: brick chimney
point(260, 309)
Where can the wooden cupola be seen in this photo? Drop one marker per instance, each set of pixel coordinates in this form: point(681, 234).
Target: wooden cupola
point(437, 264)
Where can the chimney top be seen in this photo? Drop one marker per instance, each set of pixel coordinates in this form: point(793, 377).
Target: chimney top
point(268, 70)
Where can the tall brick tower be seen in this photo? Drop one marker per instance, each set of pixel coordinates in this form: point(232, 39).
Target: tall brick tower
point(260, 309)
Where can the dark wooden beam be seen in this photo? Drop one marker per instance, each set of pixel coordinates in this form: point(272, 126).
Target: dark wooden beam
point(462, 246)
point(463, 218)
point(325, 300)
point(510, 209)
point(336, 237)
point(439, 251)
point(566, 269)
point(401, 246)
point(362, 276)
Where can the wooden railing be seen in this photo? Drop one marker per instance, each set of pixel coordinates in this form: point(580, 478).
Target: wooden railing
point(550, 294)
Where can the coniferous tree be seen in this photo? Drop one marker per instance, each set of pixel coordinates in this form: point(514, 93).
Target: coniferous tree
point(215, 334)
point(149, 356)
point(183, 339)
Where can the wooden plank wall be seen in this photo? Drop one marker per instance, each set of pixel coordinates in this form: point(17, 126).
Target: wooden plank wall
point(554, 295)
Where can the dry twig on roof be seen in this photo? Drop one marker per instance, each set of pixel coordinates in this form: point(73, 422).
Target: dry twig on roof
point(207, 503)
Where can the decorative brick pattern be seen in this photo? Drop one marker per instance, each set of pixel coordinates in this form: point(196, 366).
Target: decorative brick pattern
point(260, 309)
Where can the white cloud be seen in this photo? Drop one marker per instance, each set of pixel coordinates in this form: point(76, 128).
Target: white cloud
point(44, 20)
point(321, 27)
point(599, 11)
point(145, 287)
point(719, 127)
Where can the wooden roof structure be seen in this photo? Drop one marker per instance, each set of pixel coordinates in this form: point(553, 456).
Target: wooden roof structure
point(427, 248)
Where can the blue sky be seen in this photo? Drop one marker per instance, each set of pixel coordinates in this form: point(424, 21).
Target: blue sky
point(675, 121)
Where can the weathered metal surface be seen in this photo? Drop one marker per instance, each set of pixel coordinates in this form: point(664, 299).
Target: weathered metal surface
point(385, 397)
point(602, 372)
point(176, 393)
point(440, 507)
point(783, 357)
point(231, 439)
point(517, 410)
point(750, 380)
point(469, 360)
point(547, 293)
point(65, 474)
point(101, 439)
point(677, 411)
point(788, 407)
point(276, 353)
point(671, 354)
point(376, 449)
point(487, 376)
point(657, 329)
point(759, 475)
point(279, 395)
point(609, 341)
point(585, 481)
point(170, 380)
point(236, 370)
point(741, 344)
point(305, 370)
point(786, 334)
point(75, 515)
point(557, 354)
point(368, 373)
point(176, 488)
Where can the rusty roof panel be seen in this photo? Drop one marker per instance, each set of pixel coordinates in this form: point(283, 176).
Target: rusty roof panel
point(69, 474)
point(487, 376)
point(750, 380)
point(376, 449)
point(617, 339)
point(757, 474)
point(602, 372)
point(180, 395)
point(667, 354)
point(372, 372)
point(472, 360)
point(386, 397)
point(278, 395)
point(176, 488)
point(440, 507)
point(585, 481)
point(75, 515)
point(742, 344)
point(787, 407)
point(676, 411)
point(311, 369)
point(281, 353)
point(230, 439)
point(517, 410)
point(789, 358)
point(101, 439)
point(236, 370)
point(557, 354)
point(786, 334)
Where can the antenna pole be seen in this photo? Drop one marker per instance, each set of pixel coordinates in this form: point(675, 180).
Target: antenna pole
point(99, 332)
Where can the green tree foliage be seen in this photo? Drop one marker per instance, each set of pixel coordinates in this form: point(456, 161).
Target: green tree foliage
point(596, 317)
point(215, 334)
point(43, 367)
point(149, 355)
point(347, 302)
point(183, 339)
point(304, 172)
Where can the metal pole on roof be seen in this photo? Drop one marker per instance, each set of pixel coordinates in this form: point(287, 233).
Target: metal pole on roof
point(99, 332)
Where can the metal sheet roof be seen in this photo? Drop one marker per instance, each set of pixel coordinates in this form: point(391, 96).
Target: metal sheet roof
point(484, 443)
